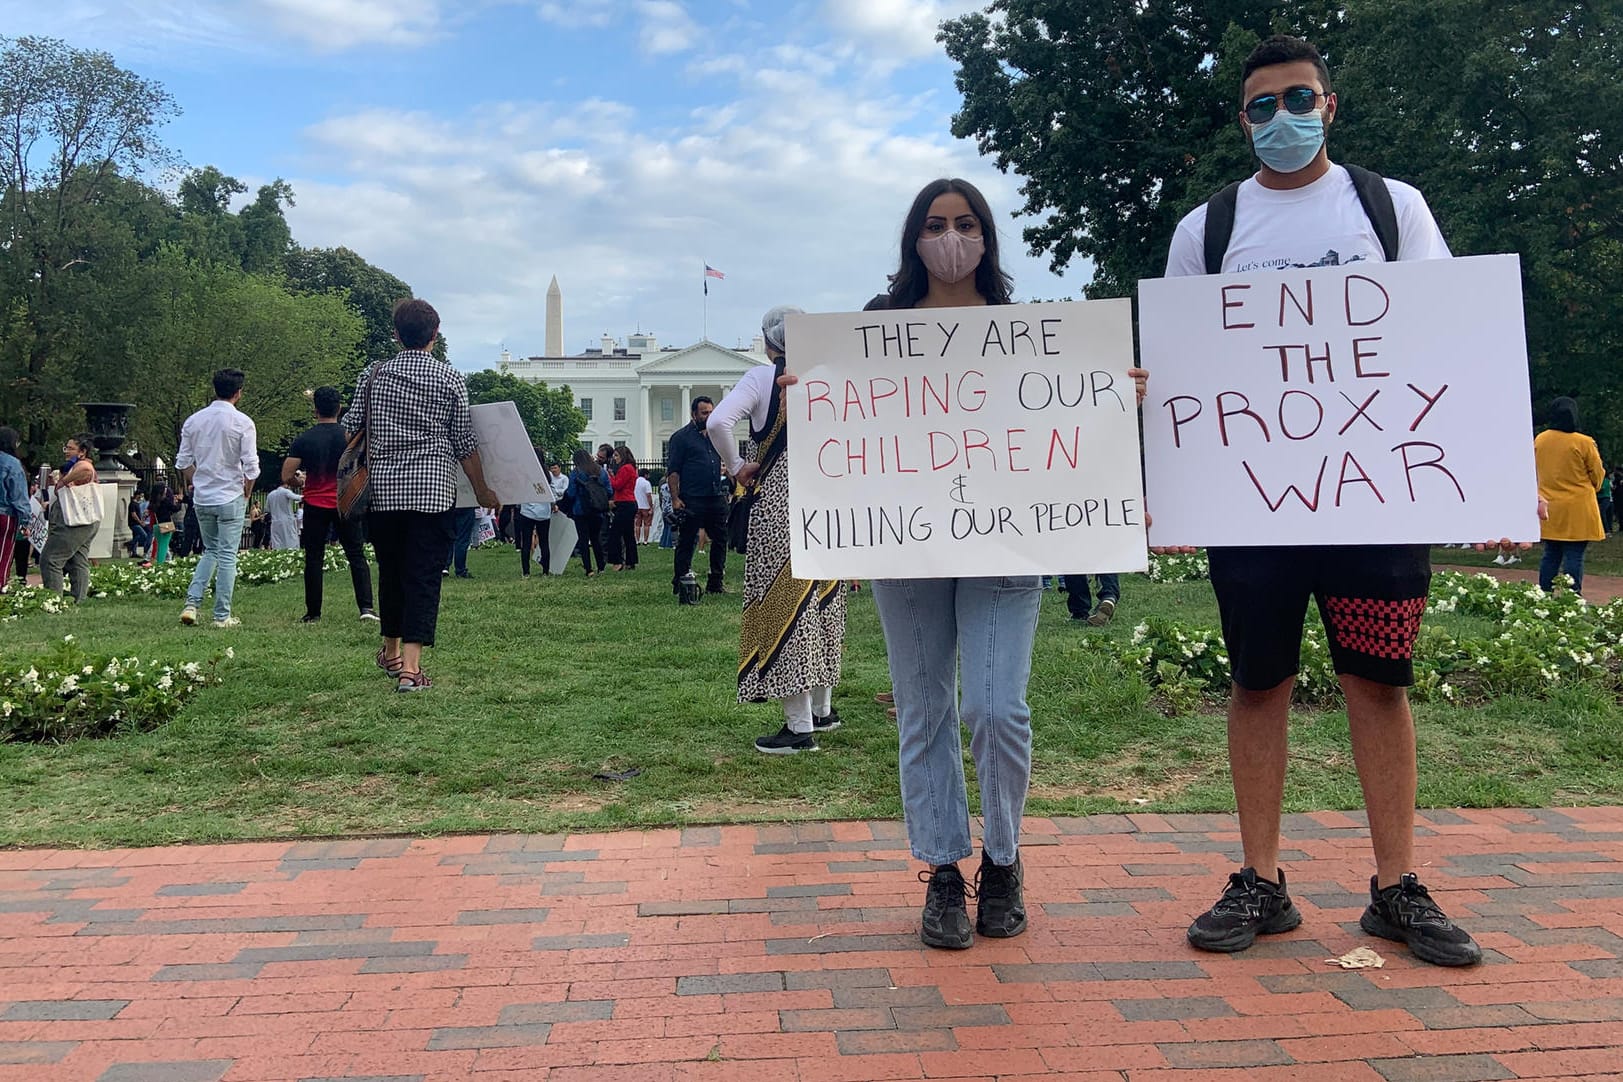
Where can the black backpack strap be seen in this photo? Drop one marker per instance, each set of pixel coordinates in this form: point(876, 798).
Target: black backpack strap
point(1220, 226)
point(1377, 202)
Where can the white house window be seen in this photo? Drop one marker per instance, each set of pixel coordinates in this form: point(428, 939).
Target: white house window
point(664, 450)
point(619, 409)
point(585, 445)
point(586, 407)
point(667, 409)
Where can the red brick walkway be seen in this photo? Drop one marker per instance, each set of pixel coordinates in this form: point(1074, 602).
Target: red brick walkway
point(790, 953)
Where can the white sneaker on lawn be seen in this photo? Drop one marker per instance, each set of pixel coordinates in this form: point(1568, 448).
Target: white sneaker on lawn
point(229, 621)
point(188, 616)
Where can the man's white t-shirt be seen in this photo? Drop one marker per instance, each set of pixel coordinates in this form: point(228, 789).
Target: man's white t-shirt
point(644, 492)
point(1320, 225)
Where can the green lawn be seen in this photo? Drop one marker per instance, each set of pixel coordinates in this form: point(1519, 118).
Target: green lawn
point(542, 683)
point(1601, 558)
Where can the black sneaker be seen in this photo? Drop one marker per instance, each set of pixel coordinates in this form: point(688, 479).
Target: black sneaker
point(785, 742)
point(828, 723)
point(1248, 908)
point(309, 618)
point(716, 588)
point(1405, 912)
point(1103, 614)
point(945, 923)
point(1000, 907)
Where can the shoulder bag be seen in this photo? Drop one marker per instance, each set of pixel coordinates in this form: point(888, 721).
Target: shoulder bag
point(354, 470)
point(81, 504)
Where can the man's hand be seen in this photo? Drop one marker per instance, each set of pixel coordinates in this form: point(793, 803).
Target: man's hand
point(1141, 382)
point(487, 498)
point(1505, 545)
point(1164, 550)
point(677, 504)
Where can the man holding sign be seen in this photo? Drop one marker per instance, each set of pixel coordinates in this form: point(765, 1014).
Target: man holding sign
point(1300, 211)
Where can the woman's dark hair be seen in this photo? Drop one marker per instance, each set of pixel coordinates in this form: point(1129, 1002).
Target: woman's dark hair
point(8, 440)
point(626, 457)
point(416, 323)
point(584, 461)
point(1564, 415)
point(912, 281)
point(86, 444)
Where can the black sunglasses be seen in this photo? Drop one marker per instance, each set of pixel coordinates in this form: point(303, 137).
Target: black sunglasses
point(1299, 100)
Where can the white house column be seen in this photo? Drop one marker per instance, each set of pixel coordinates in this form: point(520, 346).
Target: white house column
point(646, 451)
point(687, 399)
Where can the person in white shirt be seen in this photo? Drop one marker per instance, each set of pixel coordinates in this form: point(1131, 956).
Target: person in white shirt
point(644, 494)
point(282, 507)
point(1301, 210)
point(219, 457)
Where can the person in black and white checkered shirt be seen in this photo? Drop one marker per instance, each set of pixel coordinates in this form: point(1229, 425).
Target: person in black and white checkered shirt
point(415, 411)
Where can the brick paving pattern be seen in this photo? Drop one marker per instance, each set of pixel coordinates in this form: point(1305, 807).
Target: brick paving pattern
point(790, 952)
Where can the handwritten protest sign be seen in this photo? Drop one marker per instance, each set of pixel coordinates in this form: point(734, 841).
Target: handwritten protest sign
point(1374, 403)
point(999, 440)
point(511, 467)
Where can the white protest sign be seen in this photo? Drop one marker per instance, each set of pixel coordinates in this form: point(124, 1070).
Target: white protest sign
point(1372, 403)
point(511, 467)
point(997, 440)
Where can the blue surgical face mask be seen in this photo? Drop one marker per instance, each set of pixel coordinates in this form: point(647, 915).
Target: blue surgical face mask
point(1288, 142)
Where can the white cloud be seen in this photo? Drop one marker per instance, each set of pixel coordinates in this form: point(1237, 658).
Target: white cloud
point(579, 13)
point(666, 27)
point(796, 189)
point(898, 29)
point(332, 25)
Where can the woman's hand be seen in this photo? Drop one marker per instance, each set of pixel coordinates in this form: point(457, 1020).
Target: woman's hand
point(1141, 382)
point(746, 472)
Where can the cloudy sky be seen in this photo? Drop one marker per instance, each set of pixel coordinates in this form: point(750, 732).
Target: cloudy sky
point(476, 148)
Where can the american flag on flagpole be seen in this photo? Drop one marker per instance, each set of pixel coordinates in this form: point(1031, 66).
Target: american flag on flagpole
point(709, 273)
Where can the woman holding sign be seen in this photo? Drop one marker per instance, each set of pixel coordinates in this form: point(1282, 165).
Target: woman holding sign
point(793, 630)
point(981, 628)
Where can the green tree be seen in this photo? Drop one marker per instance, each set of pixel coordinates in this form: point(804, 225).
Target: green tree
point(1119, 115)
point(550, 415)
point(204, 316)
point(72, 123)
point(369, 290)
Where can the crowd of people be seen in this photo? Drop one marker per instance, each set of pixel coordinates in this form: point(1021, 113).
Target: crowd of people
point(959, 650)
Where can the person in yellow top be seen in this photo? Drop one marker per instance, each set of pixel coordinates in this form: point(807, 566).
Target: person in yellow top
point(1569, 475)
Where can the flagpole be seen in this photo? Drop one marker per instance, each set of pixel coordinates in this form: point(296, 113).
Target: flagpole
point(704, 318)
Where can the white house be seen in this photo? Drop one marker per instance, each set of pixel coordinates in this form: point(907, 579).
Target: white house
point(636, 396)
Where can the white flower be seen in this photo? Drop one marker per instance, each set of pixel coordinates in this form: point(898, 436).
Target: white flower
point(165, 682)
point(230, 653)
point(70, 684)
point(67, 638)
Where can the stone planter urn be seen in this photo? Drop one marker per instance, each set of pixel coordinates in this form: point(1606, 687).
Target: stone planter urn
point(109, 425)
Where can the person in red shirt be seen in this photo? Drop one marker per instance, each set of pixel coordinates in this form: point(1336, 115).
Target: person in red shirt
point(316, 451)
point(623, 528)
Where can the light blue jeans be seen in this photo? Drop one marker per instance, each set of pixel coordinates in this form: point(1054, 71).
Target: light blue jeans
point(221, 527)
point(977, 632)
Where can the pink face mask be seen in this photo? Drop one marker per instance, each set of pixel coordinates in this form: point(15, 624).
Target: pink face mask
point(952, 256)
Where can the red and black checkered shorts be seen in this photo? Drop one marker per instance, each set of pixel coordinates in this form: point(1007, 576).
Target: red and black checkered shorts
point(1371, 599)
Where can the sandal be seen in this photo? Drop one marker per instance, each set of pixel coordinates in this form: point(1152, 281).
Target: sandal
point(414, 681)
point(391, 665)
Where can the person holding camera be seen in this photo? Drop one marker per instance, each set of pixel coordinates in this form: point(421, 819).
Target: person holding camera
point(699, 498)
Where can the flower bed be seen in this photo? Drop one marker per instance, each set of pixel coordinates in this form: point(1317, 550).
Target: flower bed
point(20, 599)
point(1536, 641)
point(1179, 567)
point(67, 694)
point(256, 567)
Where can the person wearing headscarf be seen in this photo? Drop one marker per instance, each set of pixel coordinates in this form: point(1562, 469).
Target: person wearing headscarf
point(1569, 475)
point(792, 634)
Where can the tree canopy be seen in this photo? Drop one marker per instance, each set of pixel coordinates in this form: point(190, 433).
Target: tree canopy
point(1121, 115)
point(112, 289)
point(550, 415)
